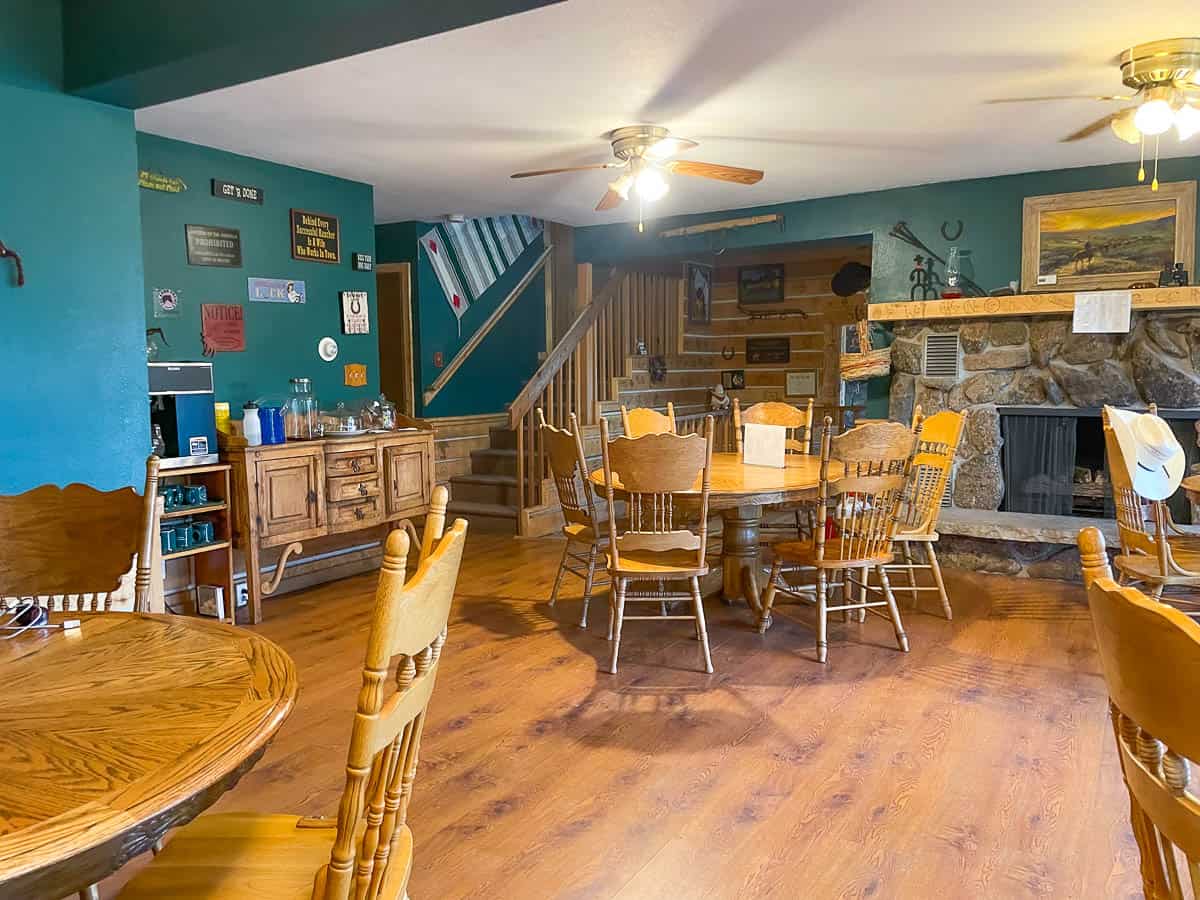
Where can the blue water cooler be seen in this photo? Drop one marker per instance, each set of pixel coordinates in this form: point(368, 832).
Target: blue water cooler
point(181, 405)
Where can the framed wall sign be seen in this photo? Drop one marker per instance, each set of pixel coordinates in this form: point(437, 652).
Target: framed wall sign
point(698, 279)
point(762, 350)
point(315, 237)
point(222, 328)
point(275, 290)
point(362, 262)
point(760, 284)
point(355, 375)
point(354, 313)
point(230, 191)
point(733, 379)
point(156, 181)
point(1093, 240)
point(166, 303)
point(801, 383)
point(213, 245)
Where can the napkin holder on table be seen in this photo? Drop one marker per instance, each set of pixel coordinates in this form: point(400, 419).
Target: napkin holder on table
point(764, 445)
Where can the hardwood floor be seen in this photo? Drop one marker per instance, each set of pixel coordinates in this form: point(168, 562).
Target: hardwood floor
point(981, 764)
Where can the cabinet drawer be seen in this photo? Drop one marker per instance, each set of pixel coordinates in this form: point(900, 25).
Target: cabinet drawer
point(352, 516)
point(352, 488)
point(355, 462)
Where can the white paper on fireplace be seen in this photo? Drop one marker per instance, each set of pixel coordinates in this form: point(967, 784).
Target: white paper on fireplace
point(763, 445)
point(1102, 312)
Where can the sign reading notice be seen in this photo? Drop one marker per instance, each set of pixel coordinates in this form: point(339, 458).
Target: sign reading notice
point(212, 245)
point(222, 328)
point(315, 237)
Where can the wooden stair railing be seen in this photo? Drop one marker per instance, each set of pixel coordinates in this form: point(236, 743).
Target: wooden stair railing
point(486, 328)
point(581, 372)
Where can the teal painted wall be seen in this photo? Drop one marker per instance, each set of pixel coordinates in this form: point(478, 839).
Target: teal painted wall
point(31, 53)
point(989, 207)
point(495, 373)
point(281, 339)
point(71, 341)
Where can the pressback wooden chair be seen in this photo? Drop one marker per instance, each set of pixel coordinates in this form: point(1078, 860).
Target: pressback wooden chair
point(1150, 656)
point(366, 853)
point(931, 467)
point(641, 421)
point(798, 422)
point(861, 511)
point(583, 527)
point(74, 548)
point(1148, 556)
point(651, 471)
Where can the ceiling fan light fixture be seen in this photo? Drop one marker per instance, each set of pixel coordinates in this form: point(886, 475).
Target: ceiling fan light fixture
point(1156, 113)
point(650, 185)
point(1187, 121)
point(1123, 127)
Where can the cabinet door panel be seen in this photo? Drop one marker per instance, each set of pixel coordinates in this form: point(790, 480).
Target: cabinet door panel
point(406, 470)
point(290, 495)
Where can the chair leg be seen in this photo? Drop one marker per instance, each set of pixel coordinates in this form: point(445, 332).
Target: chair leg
point(893, 610)
point(822, 617)
point(587, 583)
point(619, 613)
point(562, 567)
point(861, 613)
point(936, 568)
point(768, 601)
point(909, 562)
point(701, 626)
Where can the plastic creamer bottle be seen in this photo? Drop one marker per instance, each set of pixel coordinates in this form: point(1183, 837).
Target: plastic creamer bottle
point(251, 426)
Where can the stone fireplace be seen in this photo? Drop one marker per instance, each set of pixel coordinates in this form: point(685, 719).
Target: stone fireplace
point(1014, 372)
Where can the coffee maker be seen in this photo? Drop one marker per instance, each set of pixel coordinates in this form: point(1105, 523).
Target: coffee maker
point(181, 406)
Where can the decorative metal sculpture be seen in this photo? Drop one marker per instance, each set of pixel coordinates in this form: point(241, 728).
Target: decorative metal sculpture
point(924, 281)
point(902, 232)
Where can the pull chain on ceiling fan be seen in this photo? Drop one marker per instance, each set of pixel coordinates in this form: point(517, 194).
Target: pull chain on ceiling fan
point(1165, 78)
point(645, 153)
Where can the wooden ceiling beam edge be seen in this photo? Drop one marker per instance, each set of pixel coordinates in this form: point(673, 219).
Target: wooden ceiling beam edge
point(723, 225)
point(1180, 298)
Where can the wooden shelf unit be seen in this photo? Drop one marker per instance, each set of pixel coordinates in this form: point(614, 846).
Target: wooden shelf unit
point(1063, 303)
point(197, 510)
point(199, 548)
point(210, 563)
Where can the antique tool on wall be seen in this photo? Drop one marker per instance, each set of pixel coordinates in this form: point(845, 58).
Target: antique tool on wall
point(6, 253)
point(902, 232)
point(1165, 79)
point(645, 153)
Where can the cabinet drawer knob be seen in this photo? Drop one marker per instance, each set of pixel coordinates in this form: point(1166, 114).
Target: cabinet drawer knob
point(360, 513)
point(312, 497)
point(362, 489)
point(355, 465)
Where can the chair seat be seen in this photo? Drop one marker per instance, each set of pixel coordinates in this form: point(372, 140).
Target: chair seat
point(244, 856)
point(585, 534)
point(658, 564)
point(1140, 565)
point(835, 556)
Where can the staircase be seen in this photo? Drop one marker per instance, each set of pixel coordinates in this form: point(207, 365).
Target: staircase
point(489, 492)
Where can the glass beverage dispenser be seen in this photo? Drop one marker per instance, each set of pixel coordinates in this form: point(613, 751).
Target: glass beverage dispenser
point(302, 418)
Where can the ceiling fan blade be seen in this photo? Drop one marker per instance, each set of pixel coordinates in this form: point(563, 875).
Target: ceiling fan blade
point(668, 147)
point(1091, 128)
point(618, 191)
point(607, 165)
point(712, 170)
point(1104, 98)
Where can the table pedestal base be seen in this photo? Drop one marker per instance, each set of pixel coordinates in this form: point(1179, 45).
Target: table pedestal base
point(739, 560)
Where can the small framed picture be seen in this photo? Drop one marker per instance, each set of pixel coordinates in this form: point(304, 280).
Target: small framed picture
point(760, 284)
point(354, 313)
point(801, 383)
point(698, 279)
point(733, 379)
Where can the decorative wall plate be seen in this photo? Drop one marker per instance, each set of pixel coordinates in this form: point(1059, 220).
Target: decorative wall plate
point(327, 349)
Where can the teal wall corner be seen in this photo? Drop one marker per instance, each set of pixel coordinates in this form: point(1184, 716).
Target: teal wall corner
point(281, 339)
point(72, 357)
point(31, 51)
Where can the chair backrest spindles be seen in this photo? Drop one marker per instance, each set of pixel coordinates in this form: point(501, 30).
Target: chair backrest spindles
point(797, 420)
point(409, 626)
point(1150, 656)
point(931, 467)
point(568, 466)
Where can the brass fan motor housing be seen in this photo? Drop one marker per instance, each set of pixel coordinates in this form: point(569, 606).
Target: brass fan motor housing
point(632, 141)
point(1161, 62)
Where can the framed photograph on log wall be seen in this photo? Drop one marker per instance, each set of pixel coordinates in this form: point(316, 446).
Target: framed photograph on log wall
point(1099, 240)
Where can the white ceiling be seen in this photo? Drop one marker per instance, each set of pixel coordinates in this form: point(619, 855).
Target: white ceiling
point(827, 97)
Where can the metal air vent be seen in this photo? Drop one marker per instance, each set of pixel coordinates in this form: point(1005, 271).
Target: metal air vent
point(941, 355)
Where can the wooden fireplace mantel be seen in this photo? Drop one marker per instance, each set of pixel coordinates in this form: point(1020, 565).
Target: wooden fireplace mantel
point(1021, 305)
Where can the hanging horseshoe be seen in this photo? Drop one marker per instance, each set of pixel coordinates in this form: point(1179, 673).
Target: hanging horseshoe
point(954, 237)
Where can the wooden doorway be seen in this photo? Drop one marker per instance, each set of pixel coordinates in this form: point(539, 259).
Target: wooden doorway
point(393, 291)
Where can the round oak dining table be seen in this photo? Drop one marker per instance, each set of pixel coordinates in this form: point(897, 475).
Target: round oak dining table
point(739, 492)
point(115, 732)
point(1191, 488)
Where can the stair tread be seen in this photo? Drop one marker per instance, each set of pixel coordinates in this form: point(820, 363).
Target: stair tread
point(470, 507)
point(484, 478)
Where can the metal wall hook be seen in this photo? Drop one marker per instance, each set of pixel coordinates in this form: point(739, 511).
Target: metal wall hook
point(6, 253)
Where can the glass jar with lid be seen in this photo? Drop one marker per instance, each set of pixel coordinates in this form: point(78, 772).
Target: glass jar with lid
point(302, 417)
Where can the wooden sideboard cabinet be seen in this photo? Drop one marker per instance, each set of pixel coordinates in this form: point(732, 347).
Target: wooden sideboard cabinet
point(284, 494)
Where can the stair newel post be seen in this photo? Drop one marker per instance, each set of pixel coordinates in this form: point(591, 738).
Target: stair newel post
point(522, 499)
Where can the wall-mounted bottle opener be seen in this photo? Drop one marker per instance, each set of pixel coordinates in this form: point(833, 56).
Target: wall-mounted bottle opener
point(5, 253)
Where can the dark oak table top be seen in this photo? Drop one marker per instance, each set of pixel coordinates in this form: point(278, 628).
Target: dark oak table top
point(112, 734)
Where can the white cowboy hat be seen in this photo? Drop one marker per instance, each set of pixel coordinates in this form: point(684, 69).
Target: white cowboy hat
point(1152, 453)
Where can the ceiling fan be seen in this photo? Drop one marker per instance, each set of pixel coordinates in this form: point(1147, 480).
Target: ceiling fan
point(1165, 78)
point(645, 153)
